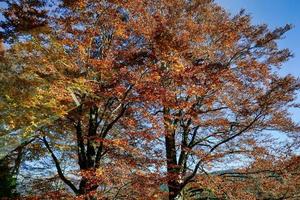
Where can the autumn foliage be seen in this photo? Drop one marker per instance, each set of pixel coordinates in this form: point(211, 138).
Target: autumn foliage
point(146, 99)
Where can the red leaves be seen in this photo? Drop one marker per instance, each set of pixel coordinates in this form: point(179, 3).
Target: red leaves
point(150, 78)
point(24, 16)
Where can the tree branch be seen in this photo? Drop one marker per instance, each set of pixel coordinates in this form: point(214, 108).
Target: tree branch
point(58, 168)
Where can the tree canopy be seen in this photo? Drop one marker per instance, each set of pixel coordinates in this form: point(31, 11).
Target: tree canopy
point(121, 99)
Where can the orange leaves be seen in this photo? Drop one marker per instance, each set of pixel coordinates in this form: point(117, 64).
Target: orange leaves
point(178, 67)
point(145, 135)
point(150, 78)
point(120, 90)
point(114, 143)
point(75, 4)
point(121, 31)
point(194, 90)
point(155, 77)
point(130, 123)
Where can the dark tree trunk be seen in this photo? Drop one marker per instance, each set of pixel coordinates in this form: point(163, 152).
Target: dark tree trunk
point(172, 165)
point(85, 188)
point(173, 193)
point(82, 186)
point(86, 152)
point(92, 132)
point(174, 189)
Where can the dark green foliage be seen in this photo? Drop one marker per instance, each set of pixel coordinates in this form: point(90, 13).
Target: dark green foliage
point(7, 180)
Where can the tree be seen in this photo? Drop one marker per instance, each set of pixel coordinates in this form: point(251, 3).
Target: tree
point(78, 107)
point(128, 82)
point(22, 16)
point(205, 59)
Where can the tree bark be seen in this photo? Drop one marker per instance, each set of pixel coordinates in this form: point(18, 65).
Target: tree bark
point(170, 147)
point(173, 193)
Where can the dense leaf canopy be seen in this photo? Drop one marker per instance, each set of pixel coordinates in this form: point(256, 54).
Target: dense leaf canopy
point(121, 98)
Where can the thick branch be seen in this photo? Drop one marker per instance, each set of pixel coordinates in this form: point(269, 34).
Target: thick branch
point(80, 146)
point(93, 116)
point(58, 168)
point(187, 179)
point(105, 132)
point(235, 135)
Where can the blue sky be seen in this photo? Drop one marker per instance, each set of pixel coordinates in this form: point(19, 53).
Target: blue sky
point(275, 13)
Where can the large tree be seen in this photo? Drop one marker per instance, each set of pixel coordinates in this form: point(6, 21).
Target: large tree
point(70, 85)
point(218, 89)
point(161, 90)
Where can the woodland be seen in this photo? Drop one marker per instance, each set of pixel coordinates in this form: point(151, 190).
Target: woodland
point(144, 100)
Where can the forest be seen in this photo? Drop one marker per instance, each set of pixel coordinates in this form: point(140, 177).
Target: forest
point(144, 100)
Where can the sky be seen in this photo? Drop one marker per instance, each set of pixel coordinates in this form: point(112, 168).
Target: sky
point(275, 13)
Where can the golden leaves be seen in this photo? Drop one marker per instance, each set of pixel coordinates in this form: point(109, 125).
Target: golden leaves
point(121, 31)
point(178, 67)
point(75, 4)
point(163, 56)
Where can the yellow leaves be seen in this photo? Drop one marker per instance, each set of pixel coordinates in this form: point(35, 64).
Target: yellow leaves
point(178, 67)
point(173, 63)
point(121, 31)
point(8, 97)
point(81, 4)
point(11, 124)
point(100, 172)
point(33, 124)
point(82, 51)
point(168, 125)
point(121, 144)
point(80, 85)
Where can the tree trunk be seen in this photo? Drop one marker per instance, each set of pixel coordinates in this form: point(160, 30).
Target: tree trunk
point(174, 190)
point(82, 186)
point(85, 189)
point(170, 147)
